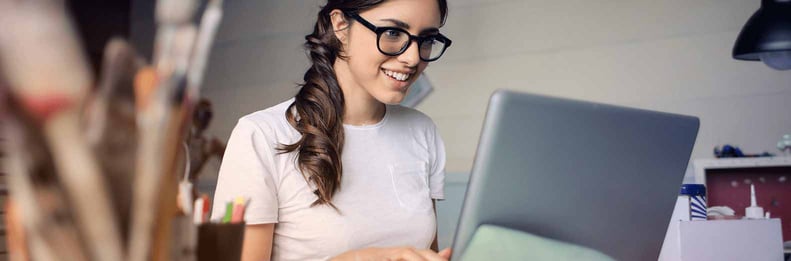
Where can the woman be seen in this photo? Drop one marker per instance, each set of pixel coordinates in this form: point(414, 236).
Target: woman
point(341, 170)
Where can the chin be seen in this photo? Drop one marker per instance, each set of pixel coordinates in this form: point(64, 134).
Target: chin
point(392, 98)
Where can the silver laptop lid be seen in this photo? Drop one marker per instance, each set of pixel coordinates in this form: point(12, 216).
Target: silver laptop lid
point(601, 176)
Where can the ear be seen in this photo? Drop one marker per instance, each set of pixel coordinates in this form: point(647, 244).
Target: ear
point(340, 25)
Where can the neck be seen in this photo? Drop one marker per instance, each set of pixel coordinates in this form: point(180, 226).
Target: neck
point(360, 107)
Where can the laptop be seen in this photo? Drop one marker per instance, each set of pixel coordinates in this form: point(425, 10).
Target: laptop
point(600, 176)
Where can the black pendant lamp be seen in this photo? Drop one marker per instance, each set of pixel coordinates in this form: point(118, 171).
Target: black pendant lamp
point(767, 36)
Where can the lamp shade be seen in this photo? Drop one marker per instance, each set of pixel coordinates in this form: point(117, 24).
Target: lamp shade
point(767, 35)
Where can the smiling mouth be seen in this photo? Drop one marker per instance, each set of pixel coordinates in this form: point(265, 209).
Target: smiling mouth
point(402, 77)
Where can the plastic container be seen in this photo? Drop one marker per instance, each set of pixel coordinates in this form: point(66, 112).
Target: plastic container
point(694, 195)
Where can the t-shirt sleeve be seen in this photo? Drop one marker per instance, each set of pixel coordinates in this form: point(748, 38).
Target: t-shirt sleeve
point(247, 170)
point(437, 165)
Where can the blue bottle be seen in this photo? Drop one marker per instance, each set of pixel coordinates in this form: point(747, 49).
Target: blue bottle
point(696, 194)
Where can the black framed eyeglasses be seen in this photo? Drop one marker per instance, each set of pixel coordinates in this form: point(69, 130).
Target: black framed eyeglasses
point(394, 41)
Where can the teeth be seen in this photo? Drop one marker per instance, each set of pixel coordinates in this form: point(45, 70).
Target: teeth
point(397, 75)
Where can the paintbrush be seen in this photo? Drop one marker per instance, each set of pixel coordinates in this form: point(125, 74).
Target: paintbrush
point(49, 221)
point(182, 116)
point(171, 102)
point(152, 191)
point(199, 56)
point(165, 243)
point(208, 27)
point(178, 131)
point(111, 127)
point(50, 230)
point(210, 22)
point(29, 53)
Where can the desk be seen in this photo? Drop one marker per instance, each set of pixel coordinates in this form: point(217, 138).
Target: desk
point(728, 183)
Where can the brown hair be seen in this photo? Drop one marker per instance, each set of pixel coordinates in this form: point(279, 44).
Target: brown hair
point(317, 111)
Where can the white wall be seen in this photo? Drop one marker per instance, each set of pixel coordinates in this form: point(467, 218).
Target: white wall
point(671, 55)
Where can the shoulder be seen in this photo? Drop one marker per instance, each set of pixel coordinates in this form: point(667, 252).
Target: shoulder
point(406, 116)
point(272, 118)
point(271, 122)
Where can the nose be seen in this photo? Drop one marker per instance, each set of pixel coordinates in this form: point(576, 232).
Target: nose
point(410, 57)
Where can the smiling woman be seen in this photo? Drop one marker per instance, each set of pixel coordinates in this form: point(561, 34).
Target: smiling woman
point(341, 170)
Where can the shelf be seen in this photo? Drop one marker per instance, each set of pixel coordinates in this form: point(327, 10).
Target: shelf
point(743, 162)
point(701, 165)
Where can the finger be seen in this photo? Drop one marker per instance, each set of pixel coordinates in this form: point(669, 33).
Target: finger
point(445, 253)
point(411, 255)
point(431, 255)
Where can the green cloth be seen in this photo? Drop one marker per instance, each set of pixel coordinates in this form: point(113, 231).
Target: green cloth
point(497, 243)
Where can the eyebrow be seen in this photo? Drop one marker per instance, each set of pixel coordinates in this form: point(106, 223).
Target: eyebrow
point(404, 25)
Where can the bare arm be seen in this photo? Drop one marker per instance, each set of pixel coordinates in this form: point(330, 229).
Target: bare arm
point(257, 245)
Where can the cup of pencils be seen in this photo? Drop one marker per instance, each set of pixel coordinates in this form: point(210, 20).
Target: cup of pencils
point(222, 239)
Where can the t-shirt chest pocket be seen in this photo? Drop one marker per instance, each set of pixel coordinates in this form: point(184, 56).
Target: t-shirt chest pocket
point(410, 184)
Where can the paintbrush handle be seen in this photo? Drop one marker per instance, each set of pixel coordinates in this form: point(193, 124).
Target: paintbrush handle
point(81, 178)
point(210, 22)
point(147, 175)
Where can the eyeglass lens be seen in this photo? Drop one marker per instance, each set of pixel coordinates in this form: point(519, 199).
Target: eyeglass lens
point(394, 42)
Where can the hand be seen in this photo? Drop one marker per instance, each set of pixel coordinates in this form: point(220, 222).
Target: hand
point(394, 253)
point(445, 253)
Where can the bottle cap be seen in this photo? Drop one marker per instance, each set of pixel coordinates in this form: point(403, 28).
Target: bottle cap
point(693, 189)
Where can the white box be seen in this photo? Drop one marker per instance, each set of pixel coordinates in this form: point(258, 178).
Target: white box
point(757, 240)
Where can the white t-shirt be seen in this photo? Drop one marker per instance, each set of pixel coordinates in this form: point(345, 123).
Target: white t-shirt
point(391, 172)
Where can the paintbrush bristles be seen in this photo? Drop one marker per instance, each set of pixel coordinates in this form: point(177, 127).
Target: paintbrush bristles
point(36, 42)
point(115, 89)
point(175, 11)
point(145, 83)
point(170, 16)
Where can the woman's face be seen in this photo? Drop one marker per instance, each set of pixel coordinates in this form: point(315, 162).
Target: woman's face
point(368, 69)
